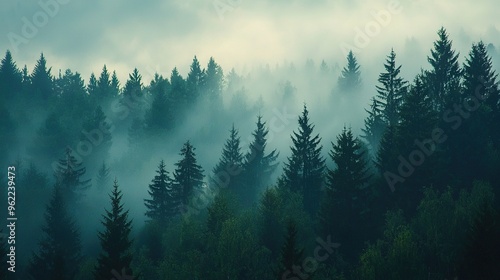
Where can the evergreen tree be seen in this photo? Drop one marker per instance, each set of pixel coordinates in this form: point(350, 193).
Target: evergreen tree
point(69, 173)
point(443, 80)
point(136, 132)
point(165, 197)
point(188, 175)
point(218, 213)
point(304, 171)
point(58, 256)
point(345, 208)
point(350, 77)
point(50, 139)
point(102, 178)
point(258, 166)
point(42, 80)
point(115, 240)
point(228, 170)
point(104, 85)
point(374, 126)
point(71, 85)
point(92, 87)
point(391, 91)
point(291, 255)
point(115, 85)
point(10, 77)
point(480, 138)
point(213, 82)
point(178, 93)
point(194, 81)
point(160, 116)
point(413, 132)
point(133, 96)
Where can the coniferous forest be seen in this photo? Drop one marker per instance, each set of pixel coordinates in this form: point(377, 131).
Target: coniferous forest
point(215, 174)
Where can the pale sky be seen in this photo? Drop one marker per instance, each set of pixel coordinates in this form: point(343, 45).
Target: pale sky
point(155, 36)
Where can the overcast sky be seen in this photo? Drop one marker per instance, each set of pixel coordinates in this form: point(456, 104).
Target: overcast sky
point(157, 35)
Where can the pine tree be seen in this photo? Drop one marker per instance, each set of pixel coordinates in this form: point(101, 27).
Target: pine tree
point(10, 77)
point(160, 116)
point(97, 131)
point(443, 80)
point(102, 178)
point(258, 166)
point(115, 85)
point(228, 170)
point(291, 255)
point(374, 126)
point(194, 81)
point(42, 80)
point(165, 197)
point(213, 82)
point(178, 93)
point(69, 173)
point(417, 123)
point(304, 171)
point(92, 87)
point(350, 77)
point(391, 91)
point(104, 85)
point(133, 96)
point(58, 256)
point(115, 240)
point(347, 197)
point(479, 137)
point(188, 175)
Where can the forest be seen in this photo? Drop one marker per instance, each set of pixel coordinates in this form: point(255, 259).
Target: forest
point(214, 174)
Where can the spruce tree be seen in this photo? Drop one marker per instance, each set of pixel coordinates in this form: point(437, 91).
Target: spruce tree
point(10, 77)
point(178, 93)
point(102, 178)
point(58, 256)
point(115, 257)
point(213, 82)
point(165, 197)
point(258, 166)
point(350, 77)
point(42, 80)
point(194, 81)
point(188, 175)
point(443, 80)
point(391, 91)
point(97, 130)
point(304, 171)
point(159, 117)
point(374, 126)
point(133, 95)
point(92, 88)
point(104, 86)
point(69, 173)
point(227, 172)
point(344, 209)
point(270, 225)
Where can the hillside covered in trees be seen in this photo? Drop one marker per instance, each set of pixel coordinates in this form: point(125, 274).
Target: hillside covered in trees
point(217, 175)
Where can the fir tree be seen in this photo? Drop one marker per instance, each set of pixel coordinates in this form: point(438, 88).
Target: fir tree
point(258, 166)
point(133, 96)
point(42, 80)
point(350, 77)
point(345, 207)
point(443, 80)
point(92, 87)
point(270, 225)
point(160, 116)
point(391, 91)
point(104, 85)
point(230, 166)
point(10, 77)
point(304, 171)
point(115, 240)
point(115, 85)
point(213, 82)
point(178, 93)
point(218, 213)
point(69, 175)
point(194, 81)
point(97, 131)
point(165, 197)
point(374, 126)
point(102, 178)
point(188, 175)
point(58, 256)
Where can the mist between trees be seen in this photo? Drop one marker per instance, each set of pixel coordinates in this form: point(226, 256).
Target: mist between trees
point(296, 172)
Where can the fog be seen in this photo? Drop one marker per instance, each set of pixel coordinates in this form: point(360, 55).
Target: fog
point(269, 47)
